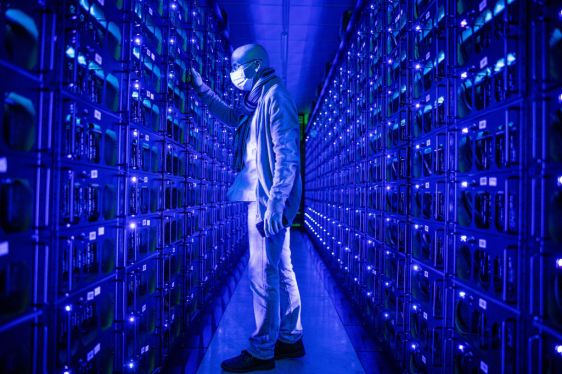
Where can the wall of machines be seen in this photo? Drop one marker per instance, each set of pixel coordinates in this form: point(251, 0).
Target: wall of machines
point(434, 181)
point(114, 228)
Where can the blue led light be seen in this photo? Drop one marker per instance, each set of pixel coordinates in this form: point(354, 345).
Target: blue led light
point(70, 52)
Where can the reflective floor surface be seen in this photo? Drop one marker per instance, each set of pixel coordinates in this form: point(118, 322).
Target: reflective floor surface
point(334, 340)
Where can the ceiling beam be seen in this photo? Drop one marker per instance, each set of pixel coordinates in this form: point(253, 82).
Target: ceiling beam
point(286, 9)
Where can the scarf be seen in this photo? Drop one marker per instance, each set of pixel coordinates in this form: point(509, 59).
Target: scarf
point(248, 107)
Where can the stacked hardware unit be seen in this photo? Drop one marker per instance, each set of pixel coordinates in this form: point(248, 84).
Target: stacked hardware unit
point(433, 181)
point(115, 229)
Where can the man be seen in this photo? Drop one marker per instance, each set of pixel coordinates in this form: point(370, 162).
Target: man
point(267, 155)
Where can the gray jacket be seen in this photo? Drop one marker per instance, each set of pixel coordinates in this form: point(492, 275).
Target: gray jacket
point(278, 148)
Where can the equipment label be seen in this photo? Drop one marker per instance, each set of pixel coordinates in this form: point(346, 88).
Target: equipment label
point(482, 304)
point(484, 62)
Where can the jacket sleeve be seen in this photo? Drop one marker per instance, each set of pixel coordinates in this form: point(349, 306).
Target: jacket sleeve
point(225, 113)
point(284, 127)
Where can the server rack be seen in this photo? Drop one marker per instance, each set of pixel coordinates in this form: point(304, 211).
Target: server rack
point(115, 227)
point(431, 181)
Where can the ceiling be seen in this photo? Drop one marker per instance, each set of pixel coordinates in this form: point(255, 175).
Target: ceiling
point(313, 37)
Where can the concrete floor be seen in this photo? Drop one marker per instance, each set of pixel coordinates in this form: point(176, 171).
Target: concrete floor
point(329, 326)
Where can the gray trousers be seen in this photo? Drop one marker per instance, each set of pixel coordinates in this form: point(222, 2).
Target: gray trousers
point(276, 297)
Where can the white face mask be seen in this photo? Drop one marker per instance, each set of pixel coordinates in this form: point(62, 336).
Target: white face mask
point(240, 80)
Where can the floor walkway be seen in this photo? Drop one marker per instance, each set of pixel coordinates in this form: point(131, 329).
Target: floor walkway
point(327, 324)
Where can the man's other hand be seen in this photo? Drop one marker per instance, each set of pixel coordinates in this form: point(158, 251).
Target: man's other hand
point(273, 220)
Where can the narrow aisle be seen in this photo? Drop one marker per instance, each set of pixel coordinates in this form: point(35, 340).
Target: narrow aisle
point(328, 347)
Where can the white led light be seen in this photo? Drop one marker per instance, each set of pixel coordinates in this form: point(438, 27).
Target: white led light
point(418, 66)
point(464, 184)
point(418, 28)
point(558, 349)
point(132, 319)
point(390, 61)
point(465, 130)
point(138, 40)
point(131, 365)
point(386, 315)
point(464, 75)
point(132, 225)
point(414, 346)
point(416, 267)
point(559, 180)
point(414, 307)
point(464, 23)
point(462, 294)
point(461, 347)
point(134, 179)
point(559, 263)
point(463, 238)
point(68, 308)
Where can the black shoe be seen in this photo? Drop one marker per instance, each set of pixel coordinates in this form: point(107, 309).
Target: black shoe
point(246, 363)
point(284, 350)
